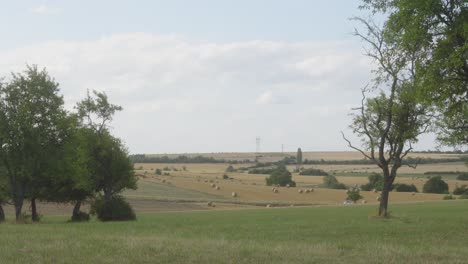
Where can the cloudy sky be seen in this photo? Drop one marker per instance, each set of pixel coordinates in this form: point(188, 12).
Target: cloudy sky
point(201, 76)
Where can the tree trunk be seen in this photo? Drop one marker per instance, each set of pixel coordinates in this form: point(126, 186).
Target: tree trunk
point(2, 214)
point(18, 208)
point(107, 194)
point(383, 208)
point(76, 209)
point(34, 215)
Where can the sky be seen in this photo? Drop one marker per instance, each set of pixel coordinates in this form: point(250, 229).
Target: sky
point(205, 75)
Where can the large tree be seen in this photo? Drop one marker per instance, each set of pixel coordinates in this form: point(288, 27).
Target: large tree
point(33, 126)
point(389, 123)
point(436, 31)
point(109, 163)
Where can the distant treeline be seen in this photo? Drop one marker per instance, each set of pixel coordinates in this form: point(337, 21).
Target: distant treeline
point(142, 158)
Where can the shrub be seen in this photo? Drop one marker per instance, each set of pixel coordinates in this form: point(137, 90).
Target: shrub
point(435, 185)
point(230, 169)
point(225, 177)
point(80, 217)
point(448, 197)
point(158, 172)
point(375, 182)
point(331, 182)
point(463, 196)
point(117, 209)
point(354, 195)
point(460, 190)
point(313, 172)
point(463, 176)
point(280, 176)
point(401, 187)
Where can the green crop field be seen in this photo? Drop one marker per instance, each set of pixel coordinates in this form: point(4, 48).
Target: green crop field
point(434, 232)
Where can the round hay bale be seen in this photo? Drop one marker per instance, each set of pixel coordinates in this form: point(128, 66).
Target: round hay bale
point(210, 204)
point(268, 206)
point(213, 185)
point(234, 194)
point(363, 201)
point(276, 191)
point(217, 188)
point(307, 191)
point(300, 191)
point(287, 185)
point(379, 198)
point(273, 189)
point(311, 189)
point(374, 190)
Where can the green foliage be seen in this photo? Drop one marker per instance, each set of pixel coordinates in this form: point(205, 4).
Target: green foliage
point(230, 168)
point(262, 170)
point(463, 196)
point(402, 187)
point(313, 172)
point(281, 176)
point(460, 190)
point(435, 185)
point(299, 157)
point(158, 172)
point(354, 195)
point(448, 197)
point(463, 176)
point(331, 182)
point(375, 182)
point(34, 126)
point(115, 209)
point(225, 177)
point(435, 32)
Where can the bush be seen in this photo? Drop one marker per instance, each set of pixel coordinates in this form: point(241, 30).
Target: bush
point(463, 196)
point(117, 209)
point(313, 172)
point(225, 177)
point(80, 217)
point(401, 187)
point(280, 176)
point(354, 195)
point(460, 190)
point(158, 172)
point(331, 182)
point(230, 169)
point(435, 185)
point(448, 197)
point(375, 182)
point(463, 176)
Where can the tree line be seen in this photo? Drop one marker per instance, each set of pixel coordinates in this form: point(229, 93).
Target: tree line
point(50, 154)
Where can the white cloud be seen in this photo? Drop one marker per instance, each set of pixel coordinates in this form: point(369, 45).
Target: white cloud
point(182, 95)
point(46, 10)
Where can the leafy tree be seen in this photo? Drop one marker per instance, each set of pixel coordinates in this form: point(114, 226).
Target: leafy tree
point(460, 190)
point(280, 176)
point(332, 182)
point(435, 32)
point(391, 122)
point(435, 185)
point(109, 162)
point(298, 159)
point(33, 127)
point(375, 182)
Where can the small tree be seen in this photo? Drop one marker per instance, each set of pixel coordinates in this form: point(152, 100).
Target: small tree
point(298, 159)
point(435, 185)
point(354, 195)
point(280, 176)
point(331, 182)
point(375, 182)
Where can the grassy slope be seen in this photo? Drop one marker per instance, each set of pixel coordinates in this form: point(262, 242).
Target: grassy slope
point(419, 233)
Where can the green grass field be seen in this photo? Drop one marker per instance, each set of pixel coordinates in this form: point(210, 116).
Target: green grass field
point(417, 233)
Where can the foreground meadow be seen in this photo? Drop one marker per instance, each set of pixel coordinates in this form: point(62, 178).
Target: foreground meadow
point(434, 232)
